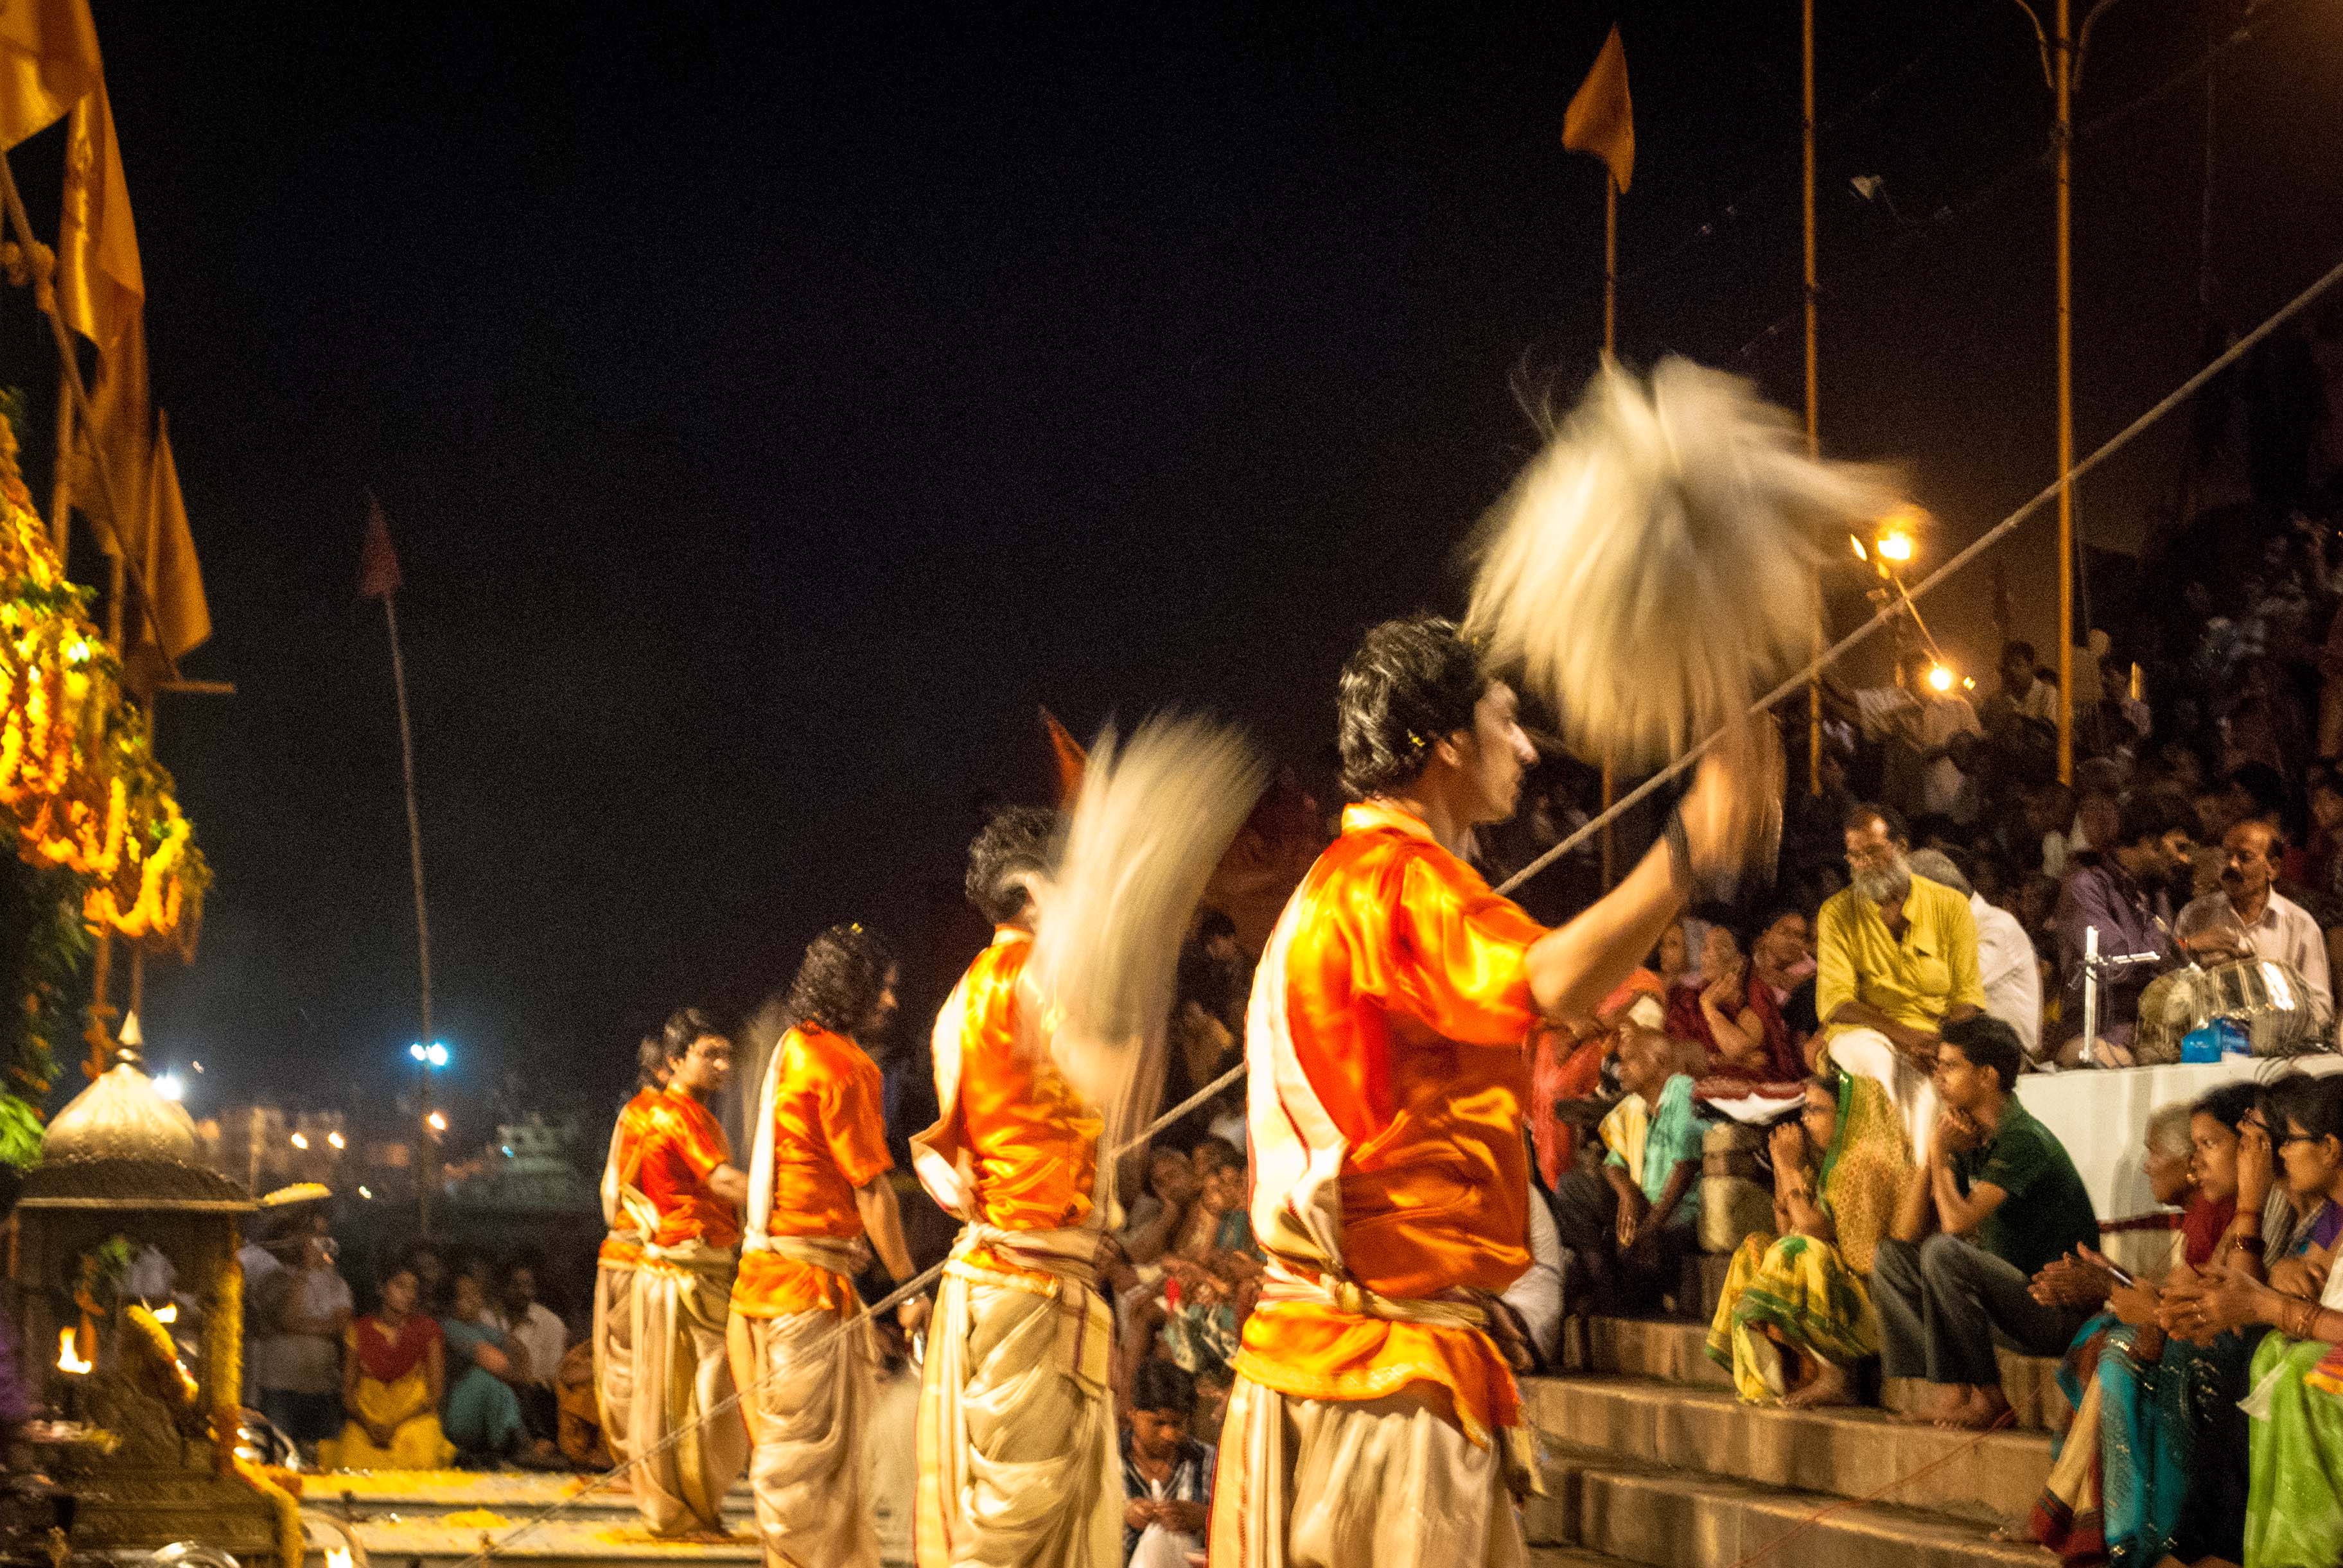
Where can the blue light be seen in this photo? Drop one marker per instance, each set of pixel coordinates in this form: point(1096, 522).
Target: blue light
point(437, 1054)
point(433, 1055)
point(416, 1050)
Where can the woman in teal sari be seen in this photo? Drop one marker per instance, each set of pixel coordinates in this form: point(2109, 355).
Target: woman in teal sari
point(483, 1415)
point(2128, 1488)
point(2293, 1519)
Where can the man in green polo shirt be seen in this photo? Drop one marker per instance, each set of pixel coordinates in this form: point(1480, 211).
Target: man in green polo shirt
point(1997, 1175)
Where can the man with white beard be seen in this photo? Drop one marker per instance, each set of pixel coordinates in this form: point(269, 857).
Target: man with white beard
point(1897, 956)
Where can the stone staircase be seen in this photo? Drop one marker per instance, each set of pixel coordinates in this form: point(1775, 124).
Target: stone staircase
point(1650, 1460)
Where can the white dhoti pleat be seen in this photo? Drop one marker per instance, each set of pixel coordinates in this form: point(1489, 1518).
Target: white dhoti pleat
point(614, 1352)
point(1017, 1466)
point(814, 1393)
point(681, 1373)
point(1910, 1087)
point(1387, 1482)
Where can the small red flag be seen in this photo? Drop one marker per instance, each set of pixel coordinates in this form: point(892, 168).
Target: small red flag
point(377, 562)
point(1067, 754)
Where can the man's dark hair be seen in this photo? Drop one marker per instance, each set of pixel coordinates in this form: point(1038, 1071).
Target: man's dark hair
point(2148, 817)
point(1212, 923)
point(1988, 1043)
point(1411, 683)
point(2018, 648)
point(650, 1060)
point(1019, 842)
point(1158, 1385)
point(685, 1025)
point(840, 978)
point(2262, 784)
point(1863, 813)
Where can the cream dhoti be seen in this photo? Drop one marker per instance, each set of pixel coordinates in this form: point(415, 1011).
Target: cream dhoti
point(1911, 1088)
point(614, 1352)
point(1017, 1466)
point(1390, 1483)
point(687, 1453)
point(812, 1393)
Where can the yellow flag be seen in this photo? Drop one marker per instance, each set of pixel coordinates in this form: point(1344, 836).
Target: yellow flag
point(1599, 120)
point(174, 578)
point(48, 63)
point(100, 285)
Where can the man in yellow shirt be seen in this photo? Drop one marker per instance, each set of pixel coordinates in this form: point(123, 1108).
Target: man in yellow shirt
point(1897, 960)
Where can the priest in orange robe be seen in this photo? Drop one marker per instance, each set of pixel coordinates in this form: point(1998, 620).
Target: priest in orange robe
point(1018, 1467)
point(628, 1213)
point(683, 1291)
point(1375, 1423)
point(817, 1183)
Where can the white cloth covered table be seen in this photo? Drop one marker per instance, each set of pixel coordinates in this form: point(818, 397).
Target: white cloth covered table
point(2101, 1116)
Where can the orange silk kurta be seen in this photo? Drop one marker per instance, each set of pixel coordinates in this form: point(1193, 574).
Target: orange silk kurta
point(1016, 1148)
point(1384, 1107)
point(830, 1137)
point(624, 1250)
point(682, 1147)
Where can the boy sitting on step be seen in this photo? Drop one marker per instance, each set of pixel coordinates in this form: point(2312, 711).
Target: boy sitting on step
point(1630, 1228)
point(1992, 1171)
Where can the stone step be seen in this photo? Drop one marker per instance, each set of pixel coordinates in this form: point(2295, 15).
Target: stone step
point(1669, 1519)
point(1571, 1557)
point(1843, 1453)
point(1677, 1352)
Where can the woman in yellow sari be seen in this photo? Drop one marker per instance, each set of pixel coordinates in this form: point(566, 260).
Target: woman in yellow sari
point(1836, 1174)
point(394, 1373)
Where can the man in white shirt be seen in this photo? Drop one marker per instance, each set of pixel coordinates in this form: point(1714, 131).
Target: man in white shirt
point(2276, 927)
point(527, 1322)
point(2005, 960)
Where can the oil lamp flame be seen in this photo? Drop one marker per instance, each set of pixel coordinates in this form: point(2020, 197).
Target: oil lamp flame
point(68, 1358)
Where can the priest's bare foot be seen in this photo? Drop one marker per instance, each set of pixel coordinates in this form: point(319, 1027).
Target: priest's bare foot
point(1943, 1401)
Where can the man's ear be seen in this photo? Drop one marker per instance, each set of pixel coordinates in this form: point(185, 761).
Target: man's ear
point(1450, 747)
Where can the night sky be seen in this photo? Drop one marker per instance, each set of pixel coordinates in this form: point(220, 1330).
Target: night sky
point(773, 405)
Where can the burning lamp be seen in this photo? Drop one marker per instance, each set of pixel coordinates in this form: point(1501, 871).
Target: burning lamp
point(1940, 678)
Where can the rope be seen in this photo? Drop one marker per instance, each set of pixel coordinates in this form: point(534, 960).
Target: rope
point(1984, 542)
point(1844, 1504)
point(921, 1281)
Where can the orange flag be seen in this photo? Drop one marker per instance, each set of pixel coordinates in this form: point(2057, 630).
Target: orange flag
point(1600, 119)
point(1068, 756)
point(100, 285)
point(48, 63)
point(378, 562)
point(174, 577)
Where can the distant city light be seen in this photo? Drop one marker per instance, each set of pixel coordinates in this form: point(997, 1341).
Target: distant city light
point(1940, 678)
point(437, 1121)
point(300, 1141)
point(171, 1087)
point(435, 1054)
point(336, 1140)
point(366, 1192)
point(196, 1065)
point(509, 1153)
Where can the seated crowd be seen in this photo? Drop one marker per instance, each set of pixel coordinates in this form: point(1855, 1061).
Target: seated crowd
point(458, 1361)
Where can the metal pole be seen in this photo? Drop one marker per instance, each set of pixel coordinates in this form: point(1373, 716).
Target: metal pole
point(2065, 148)
point(1610, 349)
point(1814, 397)
point(426, 1157)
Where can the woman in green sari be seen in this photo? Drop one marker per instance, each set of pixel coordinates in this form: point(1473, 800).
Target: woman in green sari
point(1804, 1297)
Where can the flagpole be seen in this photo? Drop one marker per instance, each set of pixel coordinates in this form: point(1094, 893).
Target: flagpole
point(1610, 350)
point(426, 1178)
point(1814, 397)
